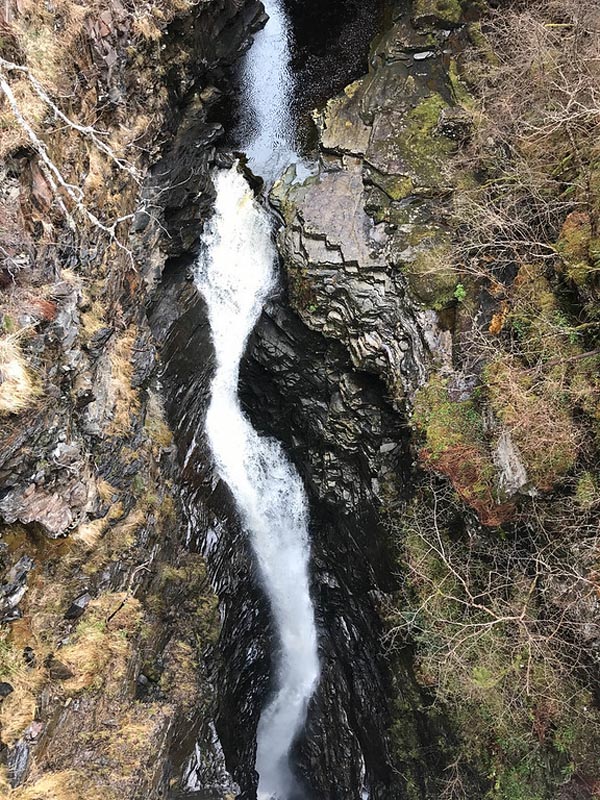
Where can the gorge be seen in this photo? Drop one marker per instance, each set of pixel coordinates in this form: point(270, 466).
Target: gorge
point(299, 400)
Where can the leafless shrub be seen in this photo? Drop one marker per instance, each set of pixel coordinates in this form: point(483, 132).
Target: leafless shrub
point(512, 622)
point(537, 120)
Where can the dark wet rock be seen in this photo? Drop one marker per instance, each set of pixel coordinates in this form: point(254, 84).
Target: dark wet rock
point(57, 670)
point(5, 689)
point(206, 769)
point(437, 13)
point(78, 606)
point(17, 762)
point(339, 280)
point(66, 325)
point(351, 448)
point(13, 588)
point(11, 615)
point(99, 340)
point(143, 360)
point(181, 329)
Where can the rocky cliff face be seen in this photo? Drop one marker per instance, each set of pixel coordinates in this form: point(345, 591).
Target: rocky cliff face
point(330, 382)
point(104, 681)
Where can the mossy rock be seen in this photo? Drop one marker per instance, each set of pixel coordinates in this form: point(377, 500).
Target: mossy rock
point(396, 187)
point(420, 143)
point(410, 145)
point(455, 446)
point(460, 91)
point(439, 13)
point(430, 275)
point(577, 247)
point(482, 43)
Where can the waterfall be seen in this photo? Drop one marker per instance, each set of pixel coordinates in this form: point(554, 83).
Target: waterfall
point(235, 275)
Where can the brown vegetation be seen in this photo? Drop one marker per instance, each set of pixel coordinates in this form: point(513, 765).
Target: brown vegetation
point(503, 629)
point(18, 389)
point(505, 621)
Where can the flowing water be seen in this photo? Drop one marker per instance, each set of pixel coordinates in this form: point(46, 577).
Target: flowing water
point(235, 275)
point(266, 128)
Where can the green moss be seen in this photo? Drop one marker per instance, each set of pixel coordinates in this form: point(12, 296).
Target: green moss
point(587, 493)
point(536, 316)
point(443, 12)
point(446, 423)
point(420, 144)
point(459, 90)
point(430, 274)
point(456, 446)
point(482, 43)
point(137, 484)
point(8, 324)
point(577, 248)
point(396, 187)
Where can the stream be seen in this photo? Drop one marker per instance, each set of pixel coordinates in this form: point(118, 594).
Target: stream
point(235, 274)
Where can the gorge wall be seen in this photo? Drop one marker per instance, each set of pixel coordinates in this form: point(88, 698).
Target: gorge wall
point(429, 362)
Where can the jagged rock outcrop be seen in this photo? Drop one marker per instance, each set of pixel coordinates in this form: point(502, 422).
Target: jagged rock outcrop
point(357, 236)
point(109, 609)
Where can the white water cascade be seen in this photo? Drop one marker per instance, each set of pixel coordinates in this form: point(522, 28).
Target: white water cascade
point(235, 275)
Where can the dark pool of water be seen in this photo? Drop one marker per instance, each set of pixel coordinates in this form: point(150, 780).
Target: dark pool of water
point(330, 46)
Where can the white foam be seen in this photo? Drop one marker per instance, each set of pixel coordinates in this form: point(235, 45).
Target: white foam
point(235, 276)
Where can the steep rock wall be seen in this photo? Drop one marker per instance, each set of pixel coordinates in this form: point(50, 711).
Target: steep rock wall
point(106, 611)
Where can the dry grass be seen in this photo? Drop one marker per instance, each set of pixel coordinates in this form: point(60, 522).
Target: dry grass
point(17, 711)
point(18, 390)
point(541, 426)
point(128, 746)
point(155, 424)
point(90, 533)
point(64, 785)
point(115, 541)
point(99, 651)
point(93, 319)
point(537, 122)
point(124, 397)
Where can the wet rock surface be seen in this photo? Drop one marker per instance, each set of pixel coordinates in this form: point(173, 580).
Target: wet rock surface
point(349, 447)
point(352, 451)
point(182, 331)
point(89, 496)
point(356, 235)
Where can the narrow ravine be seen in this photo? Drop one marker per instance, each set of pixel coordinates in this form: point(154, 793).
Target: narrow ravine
point(235, 275)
